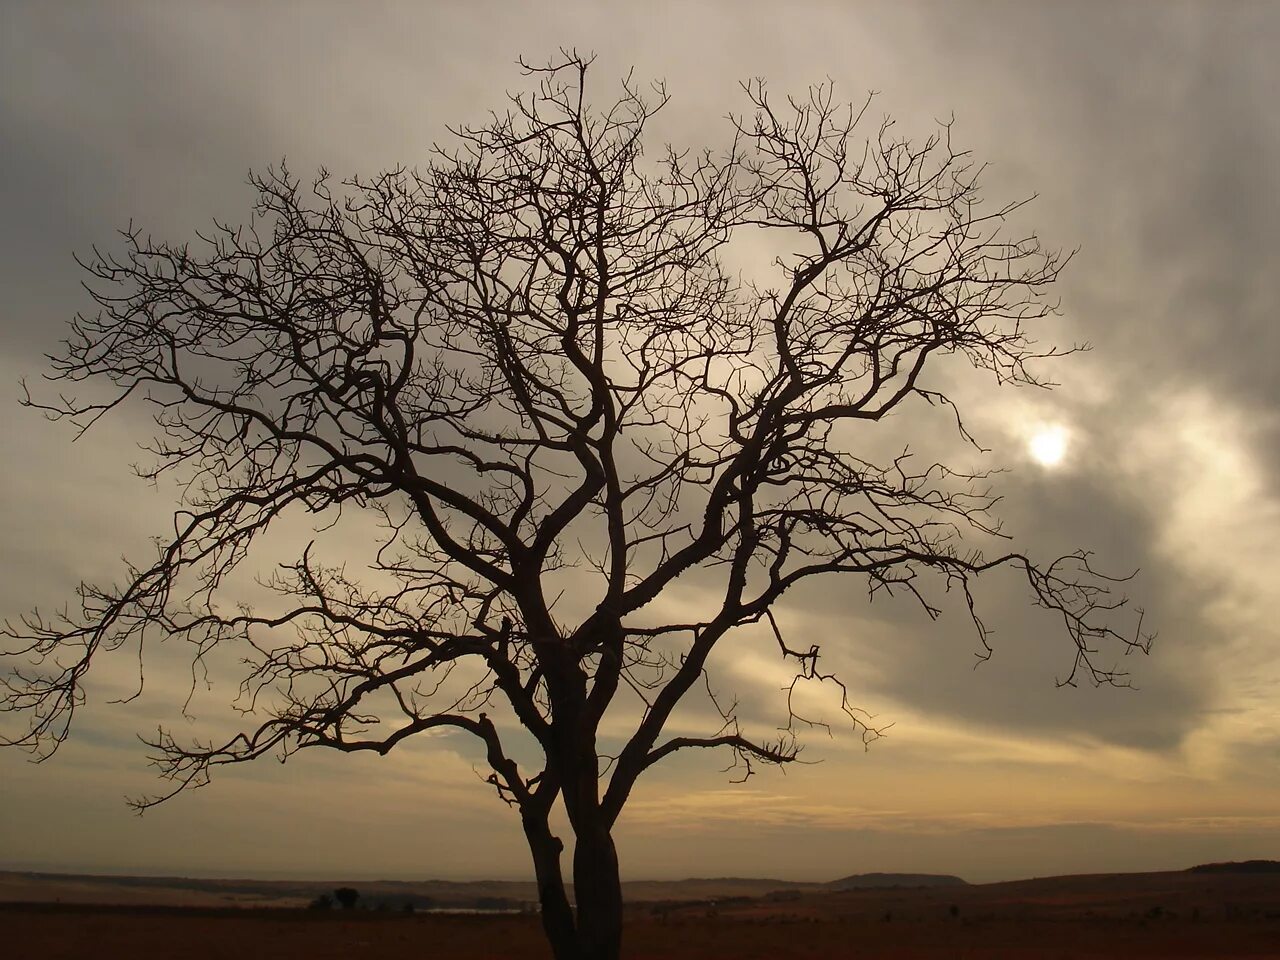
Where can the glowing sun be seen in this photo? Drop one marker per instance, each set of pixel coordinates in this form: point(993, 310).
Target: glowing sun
point(1048, 445)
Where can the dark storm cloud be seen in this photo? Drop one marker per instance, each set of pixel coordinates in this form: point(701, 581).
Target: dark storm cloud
point(155, 114)
point(1151, 134)
point(1153, 145)
point(889, 651)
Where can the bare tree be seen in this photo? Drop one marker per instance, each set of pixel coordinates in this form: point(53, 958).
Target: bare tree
point(531, 364)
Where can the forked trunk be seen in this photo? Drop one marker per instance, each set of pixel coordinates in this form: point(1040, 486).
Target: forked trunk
point(598, 891)
point(596, 932)
point(557, 917)
point(597, 919)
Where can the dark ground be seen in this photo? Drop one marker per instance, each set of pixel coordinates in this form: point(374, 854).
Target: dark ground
point(1109, 916)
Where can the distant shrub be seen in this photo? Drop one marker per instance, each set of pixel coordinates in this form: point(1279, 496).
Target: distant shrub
point(347, 896)
point(322, 902)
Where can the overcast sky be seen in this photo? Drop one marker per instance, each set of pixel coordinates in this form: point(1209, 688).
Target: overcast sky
point(1150, 134)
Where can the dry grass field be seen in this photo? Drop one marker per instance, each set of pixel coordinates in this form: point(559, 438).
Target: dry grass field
point(1110, 916)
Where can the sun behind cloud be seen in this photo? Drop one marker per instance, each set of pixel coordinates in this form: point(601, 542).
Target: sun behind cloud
point(1048, 445)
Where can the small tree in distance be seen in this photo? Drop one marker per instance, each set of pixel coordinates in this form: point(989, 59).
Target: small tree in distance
point(529, 363)
point(346, 897)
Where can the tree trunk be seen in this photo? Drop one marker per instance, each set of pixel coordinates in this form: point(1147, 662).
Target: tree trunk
point(598, 891)
point(596, 934)
point(557, 917)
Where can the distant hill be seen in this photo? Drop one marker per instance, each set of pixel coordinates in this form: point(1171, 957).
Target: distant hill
point(867, 881)
point(394, 894)
point(209, 892)
point(420, 895)
point(1238, 866)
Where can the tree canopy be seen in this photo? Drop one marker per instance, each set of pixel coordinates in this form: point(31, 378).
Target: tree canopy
point(530, 362)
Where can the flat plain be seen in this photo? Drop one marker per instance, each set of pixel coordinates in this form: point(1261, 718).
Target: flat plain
point(1102, 916)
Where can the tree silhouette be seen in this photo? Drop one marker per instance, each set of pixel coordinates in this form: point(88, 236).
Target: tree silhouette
point(346, 897)
point(530, 363)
